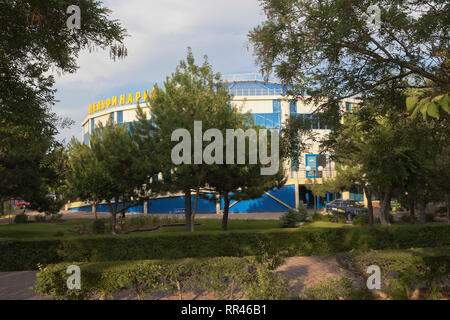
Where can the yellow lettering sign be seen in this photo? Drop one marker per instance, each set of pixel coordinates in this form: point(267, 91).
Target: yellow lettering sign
point(114, 101)
point(146, 95)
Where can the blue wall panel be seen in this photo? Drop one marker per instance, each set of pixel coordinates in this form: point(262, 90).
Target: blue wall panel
point(176, 205)
point(285, 194)
point(266, 203)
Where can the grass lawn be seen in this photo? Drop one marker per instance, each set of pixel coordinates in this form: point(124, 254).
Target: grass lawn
point(53, 231)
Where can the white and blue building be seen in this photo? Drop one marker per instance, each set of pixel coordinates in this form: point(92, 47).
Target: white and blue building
point(270, 107)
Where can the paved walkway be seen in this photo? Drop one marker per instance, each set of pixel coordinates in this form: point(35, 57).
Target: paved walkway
point(18, 286)
point(301, 272)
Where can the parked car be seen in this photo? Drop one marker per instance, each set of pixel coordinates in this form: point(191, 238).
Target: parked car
point(347, 208)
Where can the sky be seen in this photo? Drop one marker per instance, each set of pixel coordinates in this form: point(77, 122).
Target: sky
point(159, 33)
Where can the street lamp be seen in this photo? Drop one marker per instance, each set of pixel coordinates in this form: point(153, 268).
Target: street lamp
point(319, 169)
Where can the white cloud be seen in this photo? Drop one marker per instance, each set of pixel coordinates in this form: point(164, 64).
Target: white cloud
point(160, 31)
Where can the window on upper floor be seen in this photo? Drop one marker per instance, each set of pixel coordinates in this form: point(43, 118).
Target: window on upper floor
point(120, 117)
point(276, 106)
point(293, 106)
point(348, 107)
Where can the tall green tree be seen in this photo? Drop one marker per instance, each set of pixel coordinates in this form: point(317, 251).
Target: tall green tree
point(113, 166)
point(34, 41)
point(391, 152)
point(86, 179)
point(329, 49)
point(192, 93)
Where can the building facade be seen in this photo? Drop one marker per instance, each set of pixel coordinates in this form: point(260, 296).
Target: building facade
point(270, 107)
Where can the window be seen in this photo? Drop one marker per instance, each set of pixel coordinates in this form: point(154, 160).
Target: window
point(311, 161)
point(293, 106)
point(92, 125)
point(120, 117)
point(314, 161)
point(348, 107)
point(111, 116)
point(276, 106)
point(267, 120)
point(86, 138)
point(356, 193)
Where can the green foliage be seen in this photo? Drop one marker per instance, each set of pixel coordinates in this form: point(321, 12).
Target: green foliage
point(405, 218)
point(293, 217)
point(40, 218)
point(98, 226)
point(361, 219)
point(317, 49)
point(334, 289)
point(223, 276)
point(26, 254)
point(28, 127)
point(404, 271)
point(318, 217)
point(21, 218)
point(429, 217)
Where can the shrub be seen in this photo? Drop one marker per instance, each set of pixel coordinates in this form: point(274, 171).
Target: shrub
point(335, 218)
point(318, 217)
point(40, 218)
point(98, 226)
point(21, 218)
point(361, 219)
point(403, 271)
point(405, 218)
point(222, 276)
point(55, 218)
point(429, 217)
point(441, 211)
point(334, 289)
point(391, 218)
point(17, 255)
point(291, 219)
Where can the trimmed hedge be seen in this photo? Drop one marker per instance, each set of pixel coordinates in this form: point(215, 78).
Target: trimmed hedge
point(26, 255)
point(223, 276)
point(404, 271)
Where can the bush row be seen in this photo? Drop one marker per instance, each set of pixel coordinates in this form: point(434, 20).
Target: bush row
point(225, 277)
point(16, 255)
point(405, 272)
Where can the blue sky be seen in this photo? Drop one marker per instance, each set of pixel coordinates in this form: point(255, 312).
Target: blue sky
point(159, 33)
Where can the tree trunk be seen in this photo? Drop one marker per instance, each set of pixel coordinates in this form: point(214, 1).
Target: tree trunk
point(368, 194)
point(2, 207)
point(448, 208)
point(113, 211)
point(226, 208)
point(384, 210)
point(412, 211)
point(188, 212)
point(94, 210)
point(422, 206)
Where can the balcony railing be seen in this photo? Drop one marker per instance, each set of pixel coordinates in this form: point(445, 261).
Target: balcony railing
point(257, 92)
point(327, 173)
